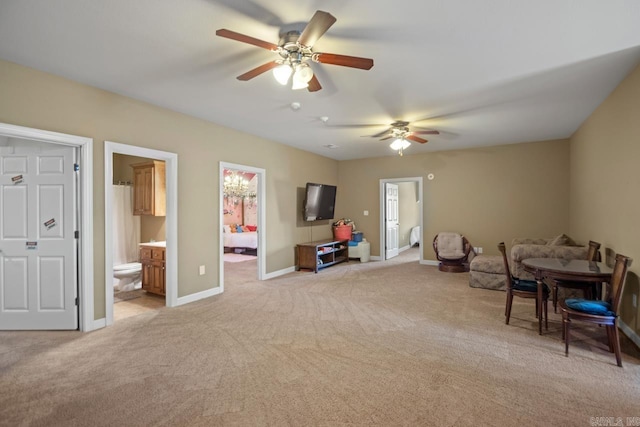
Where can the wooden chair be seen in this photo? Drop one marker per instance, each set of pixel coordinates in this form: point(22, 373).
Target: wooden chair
point(589, 289)
point(599, 312)
point(521, 288)
point(452, 250)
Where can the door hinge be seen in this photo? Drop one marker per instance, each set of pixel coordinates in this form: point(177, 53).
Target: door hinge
point(76, 300)
point(76, 167)
point(76, 234)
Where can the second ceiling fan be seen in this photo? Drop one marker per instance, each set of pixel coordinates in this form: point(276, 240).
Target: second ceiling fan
point(295, 50)
point(400, 130)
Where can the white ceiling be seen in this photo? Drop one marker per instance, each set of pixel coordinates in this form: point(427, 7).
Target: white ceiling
point(481, 72)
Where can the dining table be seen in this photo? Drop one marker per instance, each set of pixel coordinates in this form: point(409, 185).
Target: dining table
point(571, 270)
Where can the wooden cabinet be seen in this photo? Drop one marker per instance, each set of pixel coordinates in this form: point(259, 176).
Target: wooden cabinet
point(153, 273)
point(320, 254)
point(149, 188)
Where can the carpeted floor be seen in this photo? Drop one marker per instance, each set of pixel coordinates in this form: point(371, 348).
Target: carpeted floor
point(393, 343)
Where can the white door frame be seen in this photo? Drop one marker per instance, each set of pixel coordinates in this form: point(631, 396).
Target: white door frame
point(383, 225)
point(85, 218)
point(260, 200)
point(171, 254)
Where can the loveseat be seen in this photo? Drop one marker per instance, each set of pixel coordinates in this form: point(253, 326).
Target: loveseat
point(487, 271)
point(559, 247)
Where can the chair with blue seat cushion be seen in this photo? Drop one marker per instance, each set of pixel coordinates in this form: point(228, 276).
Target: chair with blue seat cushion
point(521, 288)
point(589, 289)
point(599, 312)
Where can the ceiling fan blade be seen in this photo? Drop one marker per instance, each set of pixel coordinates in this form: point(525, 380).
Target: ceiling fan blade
point(257, 71)
point(416, 139)
point(387, 137)
point(379, 134)
point(314, 84)
point(246, 39)
point(427, 132)
point(319, 24)
point(344, 60)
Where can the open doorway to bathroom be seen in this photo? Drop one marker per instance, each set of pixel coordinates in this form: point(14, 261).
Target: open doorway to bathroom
point(157, 244)
point(139, 226)
point(242, 223)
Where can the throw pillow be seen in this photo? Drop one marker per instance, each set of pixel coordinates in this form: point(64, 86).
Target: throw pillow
point(239, 229)
point(562, 240)
point(252, 227)
point(226, 228)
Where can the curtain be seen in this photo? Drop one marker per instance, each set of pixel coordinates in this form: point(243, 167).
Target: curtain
point(126, 226)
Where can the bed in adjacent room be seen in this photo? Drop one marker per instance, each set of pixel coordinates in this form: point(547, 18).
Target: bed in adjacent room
point(414, 237)
point(240, 240)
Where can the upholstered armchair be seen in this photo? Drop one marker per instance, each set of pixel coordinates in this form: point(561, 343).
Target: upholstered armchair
point(453, 251)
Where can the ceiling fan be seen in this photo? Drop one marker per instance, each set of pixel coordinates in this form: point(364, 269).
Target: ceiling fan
point(401, 130)
point(295, 50)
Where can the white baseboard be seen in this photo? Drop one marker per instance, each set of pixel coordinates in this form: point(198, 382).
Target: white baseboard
point(629, 332)
point(279, 273)
point(96, 324)
point(375, 258)
point(430, 262)
point(404, 248)
point(199, 295)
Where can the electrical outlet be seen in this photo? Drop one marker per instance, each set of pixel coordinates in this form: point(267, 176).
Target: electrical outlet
point(366, 213)
point(634, 301)
point(479, 249)
point(202, 270)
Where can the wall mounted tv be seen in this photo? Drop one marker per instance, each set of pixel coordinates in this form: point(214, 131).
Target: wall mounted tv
point(319, 202)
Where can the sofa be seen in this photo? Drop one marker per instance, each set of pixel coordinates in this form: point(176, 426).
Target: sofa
point(487, 271)
point(559, 247)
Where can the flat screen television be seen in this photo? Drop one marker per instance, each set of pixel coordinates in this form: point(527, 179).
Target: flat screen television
point(319, 202)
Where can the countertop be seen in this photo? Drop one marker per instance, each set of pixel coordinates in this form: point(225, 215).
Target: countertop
point(155, 244)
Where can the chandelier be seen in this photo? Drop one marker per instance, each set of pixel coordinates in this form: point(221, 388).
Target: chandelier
point(236, 188)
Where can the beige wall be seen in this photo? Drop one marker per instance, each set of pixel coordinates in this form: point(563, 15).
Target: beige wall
point(488, 194)
point(409, 211)
point(35, 99)
point(605, 183)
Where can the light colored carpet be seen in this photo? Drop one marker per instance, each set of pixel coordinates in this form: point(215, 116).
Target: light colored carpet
point(393, 343)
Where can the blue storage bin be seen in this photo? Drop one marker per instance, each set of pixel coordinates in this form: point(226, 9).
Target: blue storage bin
point(356, 236)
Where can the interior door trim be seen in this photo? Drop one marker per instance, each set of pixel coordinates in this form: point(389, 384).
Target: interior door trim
point(85, 218)
point(383, 225)
point(171, 254)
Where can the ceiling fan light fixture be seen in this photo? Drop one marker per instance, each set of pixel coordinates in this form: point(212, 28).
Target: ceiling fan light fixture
point(282, 73)
point(298, 84)
point(400, 144)
point(303, 73)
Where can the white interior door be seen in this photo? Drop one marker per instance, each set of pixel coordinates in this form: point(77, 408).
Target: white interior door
point(392, 222)
point(38, 267)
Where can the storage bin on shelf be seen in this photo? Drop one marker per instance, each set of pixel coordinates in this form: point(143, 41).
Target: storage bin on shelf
point(342, 232)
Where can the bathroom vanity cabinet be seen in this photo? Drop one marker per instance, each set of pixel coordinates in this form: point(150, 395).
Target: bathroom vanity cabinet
point(149, 188)
point(152, 258)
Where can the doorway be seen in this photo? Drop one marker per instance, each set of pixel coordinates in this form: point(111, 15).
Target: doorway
point(81, 304)
point(171, 227)
point(242, 206)
point(409, 193)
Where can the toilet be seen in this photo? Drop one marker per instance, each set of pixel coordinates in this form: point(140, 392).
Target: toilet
point(127, 277)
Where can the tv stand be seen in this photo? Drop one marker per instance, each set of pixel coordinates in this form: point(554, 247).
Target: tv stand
point(321, 253)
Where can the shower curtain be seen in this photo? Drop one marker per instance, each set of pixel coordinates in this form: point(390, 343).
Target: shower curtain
point(126, 226)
